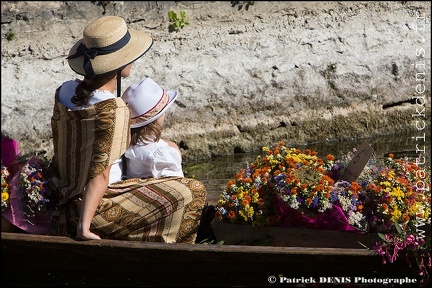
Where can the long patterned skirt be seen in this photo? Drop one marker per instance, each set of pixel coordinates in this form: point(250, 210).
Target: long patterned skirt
point(153, 210)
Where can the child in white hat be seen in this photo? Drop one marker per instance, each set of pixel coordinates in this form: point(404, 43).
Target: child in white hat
point(148, 155)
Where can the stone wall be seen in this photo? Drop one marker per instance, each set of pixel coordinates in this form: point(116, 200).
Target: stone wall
point(301, 72)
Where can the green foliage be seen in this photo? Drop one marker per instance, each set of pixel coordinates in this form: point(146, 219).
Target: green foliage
point(240, 4)
point(177, 21)
point(10, 35)
point(207, 241)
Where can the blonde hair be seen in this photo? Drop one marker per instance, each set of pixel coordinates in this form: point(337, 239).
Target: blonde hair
point(147, 133)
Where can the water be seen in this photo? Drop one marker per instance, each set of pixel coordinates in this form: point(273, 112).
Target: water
point(216, 172)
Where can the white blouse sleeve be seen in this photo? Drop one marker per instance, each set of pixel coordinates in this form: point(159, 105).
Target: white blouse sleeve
point(166, 162)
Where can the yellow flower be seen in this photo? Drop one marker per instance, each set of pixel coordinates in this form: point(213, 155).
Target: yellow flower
point(396, 214)
point(415, 209)
point(4, 196)
point(255, 198)
point(248, 212)
point(397, 192)
point(385, 184)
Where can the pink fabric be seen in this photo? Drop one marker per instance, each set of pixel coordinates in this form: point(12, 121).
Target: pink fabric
point(331, 219)
point(9, 150)
point(20, 214)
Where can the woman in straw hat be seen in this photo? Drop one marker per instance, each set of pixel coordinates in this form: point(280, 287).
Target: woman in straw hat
point(91, 130)
point(149, 155)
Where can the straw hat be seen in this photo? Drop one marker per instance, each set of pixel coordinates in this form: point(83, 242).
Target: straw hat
point(107, 45)
point(147, 101)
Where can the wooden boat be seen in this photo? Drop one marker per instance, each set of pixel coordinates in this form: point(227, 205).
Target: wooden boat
point(249, 256)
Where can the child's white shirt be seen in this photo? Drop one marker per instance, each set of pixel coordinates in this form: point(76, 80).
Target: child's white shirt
point(153, 159)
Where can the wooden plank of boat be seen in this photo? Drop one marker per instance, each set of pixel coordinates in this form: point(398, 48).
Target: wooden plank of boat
point(59, 260)
point(236, 234)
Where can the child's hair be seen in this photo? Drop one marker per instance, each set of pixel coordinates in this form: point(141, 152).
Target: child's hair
point(150, 133)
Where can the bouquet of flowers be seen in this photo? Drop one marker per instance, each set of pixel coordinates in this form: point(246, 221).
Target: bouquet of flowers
point(400, 207)
point(399, 193)
point(247, 198)
point(26, 194)
point(289, 187)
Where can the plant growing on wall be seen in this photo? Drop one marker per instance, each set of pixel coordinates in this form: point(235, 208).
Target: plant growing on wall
point(178, 21)
point(10, 35)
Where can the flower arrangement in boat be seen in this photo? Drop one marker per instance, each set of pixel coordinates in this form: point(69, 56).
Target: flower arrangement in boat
point(287, 178)
point(28, 193)
point(399, 193)
point(246, 198)
point(400, 211)
point(32, 183)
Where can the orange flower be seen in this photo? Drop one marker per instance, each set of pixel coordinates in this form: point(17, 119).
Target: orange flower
point(231, 214)
point(218, 214)
point(330, 157)
point(319, 187)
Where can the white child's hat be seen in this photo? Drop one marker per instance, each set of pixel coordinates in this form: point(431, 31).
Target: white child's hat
point(147, 101)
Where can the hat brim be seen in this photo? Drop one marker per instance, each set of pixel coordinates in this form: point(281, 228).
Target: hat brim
point(140, 42)
point(172, 97)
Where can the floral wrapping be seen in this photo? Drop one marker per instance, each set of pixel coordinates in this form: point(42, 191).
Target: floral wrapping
point(27, 205)
point(331, 219)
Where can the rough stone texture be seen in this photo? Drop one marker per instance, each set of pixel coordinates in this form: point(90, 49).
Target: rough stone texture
point(300, 72)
